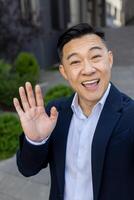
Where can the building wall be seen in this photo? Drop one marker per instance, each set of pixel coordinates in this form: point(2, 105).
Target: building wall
point(58, 15)
point(119, 12)
point(74, 12)
point(54, 17)
point(129, 10)
point(115, 14)
point(89, 11)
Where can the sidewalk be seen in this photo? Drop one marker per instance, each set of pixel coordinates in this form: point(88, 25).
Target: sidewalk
point(13, 186)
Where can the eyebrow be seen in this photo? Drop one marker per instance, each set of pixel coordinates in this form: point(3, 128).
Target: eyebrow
point(91, 49)
point(70, 55)
point(95, 47)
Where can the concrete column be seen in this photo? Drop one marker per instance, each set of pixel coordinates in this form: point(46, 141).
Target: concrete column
point(61, 14)
point(83, 11)
point(103, 13)
point(95, 12)
point(74, 12)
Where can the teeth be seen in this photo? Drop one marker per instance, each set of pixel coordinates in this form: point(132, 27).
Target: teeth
point(90, 82)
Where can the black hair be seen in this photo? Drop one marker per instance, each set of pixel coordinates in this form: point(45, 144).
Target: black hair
point(77, 31)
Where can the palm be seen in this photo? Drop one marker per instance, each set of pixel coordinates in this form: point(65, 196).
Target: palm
point(36, 124)
point(36, 121)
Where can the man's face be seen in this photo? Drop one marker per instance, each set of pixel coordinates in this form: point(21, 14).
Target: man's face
point(86, 64)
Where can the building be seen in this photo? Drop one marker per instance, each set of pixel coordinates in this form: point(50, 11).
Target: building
point(55, 16)
point(52, 17)
point(90, 11)
point(102, 12)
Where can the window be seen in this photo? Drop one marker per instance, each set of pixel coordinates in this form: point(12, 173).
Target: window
point(115, 13)
point(30, 10)
point(55, 15)
point(60, 14)
point(108, 9)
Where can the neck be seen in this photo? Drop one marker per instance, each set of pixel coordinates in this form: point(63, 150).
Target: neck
point(86, 107)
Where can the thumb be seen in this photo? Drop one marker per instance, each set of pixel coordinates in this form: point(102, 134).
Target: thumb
point(53, 113)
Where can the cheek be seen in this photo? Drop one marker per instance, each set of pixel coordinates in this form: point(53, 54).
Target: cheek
point(104, 68)
point(73, 75)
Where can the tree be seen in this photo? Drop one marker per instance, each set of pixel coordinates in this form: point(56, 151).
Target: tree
point(14, 30)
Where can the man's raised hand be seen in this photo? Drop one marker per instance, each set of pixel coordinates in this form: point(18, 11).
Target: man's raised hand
point(36, 124)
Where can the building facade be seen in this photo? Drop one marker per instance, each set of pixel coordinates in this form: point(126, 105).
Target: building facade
point(56, 16)
point(90, 11)
point(102, 12)
point(52, 18)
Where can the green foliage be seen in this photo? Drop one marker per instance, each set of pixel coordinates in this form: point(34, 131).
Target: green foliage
point(15, 31)
point(4, 68)
point(11, 80)
point(9, 132)
point(57, 92)
point(27, 67)
point(8, 89)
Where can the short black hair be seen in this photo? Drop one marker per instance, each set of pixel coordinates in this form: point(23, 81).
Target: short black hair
point(77, 31)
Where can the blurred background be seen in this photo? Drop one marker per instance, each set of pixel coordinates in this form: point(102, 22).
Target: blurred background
point(29, 30)
point(35, 25)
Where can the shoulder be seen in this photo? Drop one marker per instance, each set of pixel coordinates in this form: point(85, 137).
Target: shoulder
point(120, 100)
point(128, 103)
point(123, 104)
point(60, 104)
point(127, 112)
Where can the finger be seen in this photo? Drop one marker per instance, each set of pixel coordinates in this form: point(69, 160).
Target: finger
point(39, 97)
point(30, 94)
point(53, 113)
point(24, 100)
point(18, 107)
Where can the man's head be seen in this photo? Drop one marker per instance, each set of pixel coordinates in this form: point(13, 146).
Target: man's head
point(76, 32)
point(85, 62)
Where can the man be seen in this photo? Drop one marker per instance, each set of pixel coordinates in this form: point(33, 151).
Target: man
point(88, 139)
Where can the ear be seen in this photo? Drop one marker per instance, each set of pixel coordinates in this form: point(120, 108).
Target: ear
point(63, 72)
point(110, 58)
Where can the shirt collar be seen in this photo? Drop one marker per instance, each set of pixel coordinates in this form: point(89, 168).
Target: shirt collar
point(75, 105)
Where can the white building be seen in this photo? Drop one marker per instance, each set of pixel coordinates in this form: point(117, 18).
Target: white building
point(113, 13)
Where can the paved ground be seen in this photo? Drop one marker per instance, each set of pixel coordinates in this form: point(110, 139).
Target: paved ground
point(14, 186)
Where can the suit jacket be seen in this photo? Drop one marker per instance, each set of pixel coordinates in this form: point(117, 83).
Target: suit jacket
point(112, 150)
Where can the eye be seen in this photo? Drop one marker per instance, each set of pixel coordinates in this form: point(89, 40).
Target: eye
point(96, 58)
point(75, 62)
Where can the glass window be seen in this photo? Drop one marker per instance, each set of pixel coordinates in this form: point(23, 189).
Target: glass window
point(30, 10)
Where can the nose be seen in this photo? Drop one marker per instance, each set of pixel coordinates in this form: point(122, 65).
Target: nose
point(88, 68)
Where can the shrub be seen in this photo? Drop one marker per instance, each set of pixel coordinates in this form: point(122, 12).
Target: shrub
point(8, 85)
point(5, 68)
point(8, 89)
point(11, 80)
point(9, 131)
point(27, 67)
point(56, 92)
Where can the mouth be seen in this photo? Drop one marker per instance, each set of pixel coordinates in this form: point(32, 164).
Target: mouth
point(91, 84)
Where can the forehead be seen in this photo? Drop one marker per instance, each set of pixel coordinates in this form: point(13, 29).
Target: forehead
point(83, 43)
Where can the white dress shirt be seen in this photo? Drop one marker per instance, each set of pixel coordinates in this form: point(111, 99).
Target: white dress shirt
point(78, 171)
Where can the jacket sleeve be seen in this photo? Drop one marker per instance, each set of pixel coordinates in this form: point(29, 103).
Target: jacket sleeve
point(31, 158)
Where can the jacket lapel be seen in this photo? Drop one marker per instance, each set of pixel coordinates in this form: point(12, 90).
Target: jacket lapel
point(108, 119)
point(62, 129)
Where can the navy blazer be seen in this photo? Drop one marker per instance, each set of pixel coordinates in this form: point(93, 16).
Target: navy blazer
point(112, 150)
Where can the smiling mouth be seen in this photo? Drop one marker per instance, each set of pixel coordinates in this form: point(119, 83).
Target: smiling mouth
point(91, 84)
